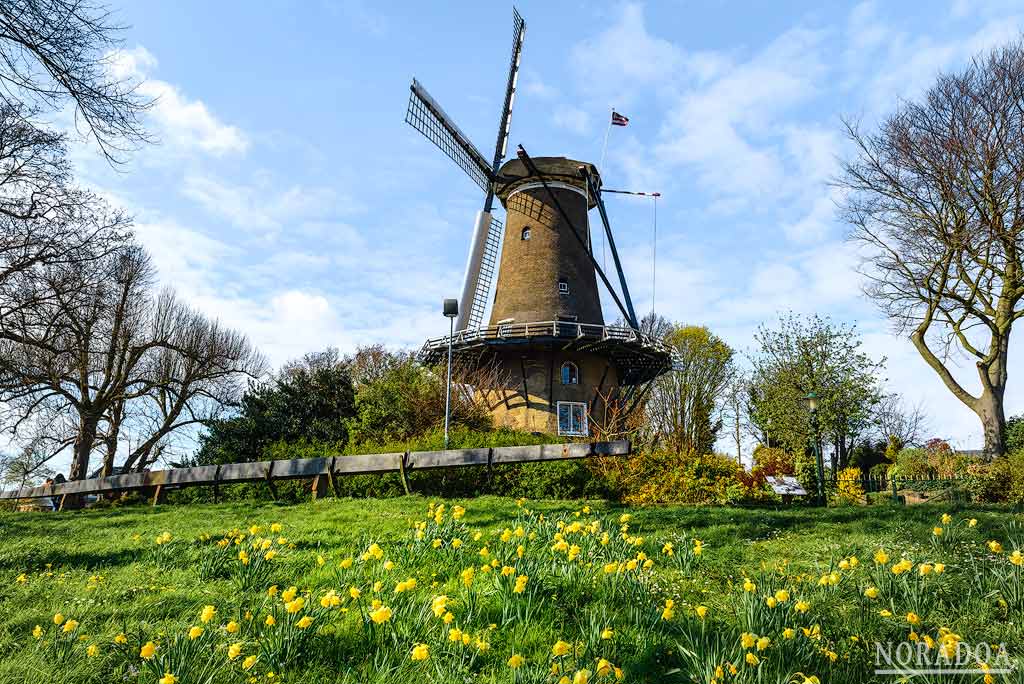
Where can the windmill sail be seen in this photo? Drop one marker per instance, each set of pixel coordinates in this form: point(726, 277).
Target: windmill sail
point(427, 117)
point(481, 267)
point(482, 264)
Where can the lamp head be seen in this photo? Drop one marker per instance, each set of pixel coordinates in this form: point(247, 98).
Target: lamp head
point(811, 401)
point(451, 308)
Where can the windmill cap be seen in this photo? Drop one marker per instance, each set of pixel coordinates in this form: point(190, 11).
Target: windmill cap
point(562, 169)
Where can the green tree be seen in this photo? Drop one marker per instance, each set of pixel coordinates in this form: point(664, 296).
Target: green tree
point(683, 407)
point(812, 354)
point(310, 400)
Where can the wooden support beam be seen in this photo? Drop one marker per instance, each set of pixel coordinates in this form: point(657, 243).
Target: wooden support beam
point(526, 391)
point(156, 494)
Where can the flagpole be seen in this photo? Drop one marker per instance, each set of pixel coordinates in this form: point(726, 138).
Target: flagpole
point(604, 147)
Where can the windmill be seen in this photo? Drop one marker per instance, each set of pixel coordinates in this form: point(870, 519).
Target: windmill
point(546, 312)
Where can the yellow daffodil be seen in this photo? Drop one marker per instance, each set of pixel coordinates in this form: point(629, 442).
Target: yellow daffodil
point(516, 661)
point(304, 622)
point(234, 650)
point(782, 596)
point(788, 633)
point(380, 615)
point(701, 611)
point(121, 639)
point(937, 531)
point(249, 662)
point(92, 650)
point(995, 547)
point(802, 606)
point(37, 632)
point(231, 627)
point(748, 640)
point(420, 652)
point(207, 613)
point(973, 522)
point(946, 518)
point(147, 651)
point(913, 618)
point(752, 659)
point(881, 557)
point(195, 632)
point(871, 592)
point(70, 626)
point(560, 648)
point(168, 678)
point(581, 677)
point(58, 619)
point(270, 621)
point(607, 633)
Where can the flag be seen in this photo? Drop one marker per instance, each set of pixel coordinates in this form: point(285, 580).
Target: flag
point(619, 119)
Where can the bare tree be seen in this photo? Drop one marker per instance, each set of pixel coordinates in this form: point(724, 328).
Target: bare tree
point(899, 424)
point(53, 52)
point(935, 195)
point(200, 374)
point(734, 407)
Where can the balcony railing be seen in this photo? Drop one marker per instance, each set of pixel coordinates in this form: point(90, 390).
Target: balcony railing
point(560, 329)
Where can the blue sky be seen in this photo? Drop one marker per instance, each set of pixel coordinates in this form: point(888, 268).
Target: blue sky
point(288, 198)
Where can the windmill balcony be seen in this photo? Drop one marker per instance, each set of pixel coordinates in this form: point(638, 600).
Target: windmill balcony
point(639, 357)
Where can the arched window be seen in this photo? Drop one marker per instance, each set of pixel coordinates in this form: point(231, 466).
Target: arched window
point(570, 374)
point(526, 233)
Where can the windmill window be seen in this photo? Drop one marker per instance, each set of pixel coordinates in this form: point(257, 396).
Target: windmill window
point(572, 418)
point(563, 286)
point(570, 374)
point(526, 233)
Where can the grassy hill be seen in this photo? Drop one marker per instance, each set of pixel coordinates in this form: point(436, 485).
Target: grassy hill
point(603, 585)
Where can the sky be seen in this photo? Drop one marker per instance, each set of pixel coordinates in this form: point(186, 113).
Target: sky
point(287, 197)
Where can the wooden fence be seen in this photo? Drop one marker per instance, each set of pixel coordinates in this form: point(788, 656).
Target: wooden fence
point(317, 469)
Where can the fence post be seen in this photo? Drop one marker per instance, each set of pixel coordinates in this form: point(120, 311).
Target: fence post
point(330, 477)
point(895, 491)
point(405, 476)
point(216, 485)
point(270, 481)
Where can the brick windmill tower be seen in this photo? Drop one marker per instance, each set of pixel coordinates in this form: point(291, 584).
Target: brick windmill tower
point(561, 369)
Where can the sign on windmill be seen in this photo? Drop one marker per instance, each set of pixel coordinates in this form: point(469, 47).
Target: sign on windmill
point(559, 367)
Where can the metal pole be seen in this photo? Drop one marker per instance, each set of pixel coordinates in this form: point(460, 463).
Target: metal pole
point(817, 458)
point(448, 385)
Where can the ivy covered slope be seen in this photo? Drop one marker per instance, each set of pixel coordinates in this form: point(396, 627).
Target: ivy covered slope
point(495, 590)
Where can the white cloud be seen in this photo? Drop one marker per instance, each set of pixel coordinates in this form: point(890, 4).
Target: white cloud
point(572, 119)
point(182, 123)
point(264, 206)
point(627, 57)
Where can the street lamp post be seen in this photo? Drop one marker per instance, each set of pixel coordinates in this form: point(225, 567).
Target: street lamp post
point(811, 400)
point(451, 310)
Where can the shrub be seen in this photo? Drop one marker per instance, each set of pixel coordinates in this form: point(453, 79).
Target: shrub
point(664, 476)
point(773, 461)
point(849, 489)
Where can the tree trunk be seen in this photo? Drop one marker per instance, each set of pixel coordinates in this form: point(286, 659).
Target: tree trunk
point(87, 429)
point(989, 408)
point(739, 452)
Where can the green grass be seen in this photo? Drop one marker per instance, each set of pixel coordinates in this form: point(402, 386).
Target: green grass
point(104, 569)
